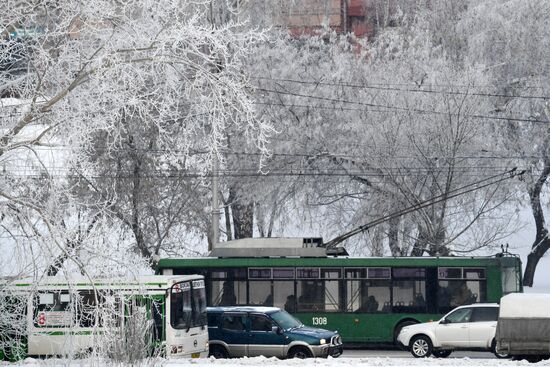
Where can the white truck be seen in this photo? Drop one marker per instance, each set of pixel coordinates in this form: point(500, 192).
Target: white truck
point(523, 327)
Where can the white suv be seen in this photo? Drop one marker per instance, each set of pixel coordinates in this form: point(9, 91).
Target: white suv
point(469, 327)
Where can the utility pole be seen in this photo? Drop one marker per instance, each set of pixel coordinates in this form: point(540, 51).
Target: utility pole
point(215, 203)
point(215, 173)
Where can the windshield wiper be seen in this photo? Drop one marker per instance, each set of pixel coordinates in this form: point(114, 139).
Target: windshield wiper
point(297, 327)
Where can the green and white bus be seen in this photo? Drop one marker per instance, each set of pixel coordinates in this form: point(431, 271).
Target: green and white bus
point(151, 315)
point(368, 300)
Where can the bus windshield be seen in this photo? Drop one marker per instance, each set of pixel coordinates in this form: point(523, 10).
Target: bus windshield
point(180, 305)
point(285, 320)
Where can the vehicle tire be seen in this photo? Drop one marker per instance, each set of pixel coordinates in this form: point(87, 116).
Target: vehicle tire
point(442, 353)
point(218, 352)
point(534, 359)
point(299, 352)
point(494, 350)
point(400, 326)
point(421, 346)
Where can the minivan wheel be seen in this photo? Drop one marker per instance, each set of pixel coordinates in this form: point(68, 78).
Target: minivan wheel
point(217, 352)
point(421, 346)
point(299, 352)
point(442, 353)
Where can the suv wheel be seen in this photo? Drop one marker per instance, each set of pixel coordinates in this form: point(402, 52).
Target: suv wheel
point(217, 352)
point(299, 352)
point(421, 346)
point(442, 353)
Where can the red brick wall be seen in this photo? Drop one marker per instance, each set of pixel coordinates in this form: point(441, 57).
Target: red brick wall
point(313, 16)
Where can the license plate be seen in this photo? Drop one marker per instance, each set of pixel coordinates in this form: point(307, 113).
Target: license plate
point(195, 355)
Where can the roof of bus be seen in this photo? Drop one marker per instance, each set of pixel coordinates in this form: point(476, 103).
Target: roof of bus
point(337, 261)
point(148, 281)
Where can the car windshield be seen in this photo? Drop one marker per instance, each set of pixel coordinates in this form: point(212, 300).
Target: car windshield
point(285, 320)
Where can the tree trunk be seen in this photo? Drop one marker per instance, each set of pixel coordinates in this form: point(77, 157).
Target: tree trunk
point(421, 243)
point(243, 220)
point(135, 215)
point(542, 243)
point(436, 243)
point(393, 236)
point(243, 215)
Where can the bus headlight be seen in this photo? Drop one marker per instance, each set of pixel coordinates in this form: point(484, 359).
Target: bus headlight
point(177, 349)
point(206, 345)
point(323, 341)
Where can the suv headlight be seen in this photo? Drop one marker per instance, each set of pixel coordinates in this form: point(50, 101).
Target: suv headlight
point(323, 341)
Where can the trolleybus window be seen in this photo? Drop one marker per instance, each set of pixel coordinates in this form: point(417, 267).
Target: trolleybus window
point(460, 286)
point(409, 290)
point(227, 287)
point(283, 273)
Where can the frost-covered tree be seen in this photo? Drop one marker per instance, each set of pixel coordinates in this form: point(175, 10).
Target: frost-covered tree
point(115, 70)
point(369, 130)
point(511, 39)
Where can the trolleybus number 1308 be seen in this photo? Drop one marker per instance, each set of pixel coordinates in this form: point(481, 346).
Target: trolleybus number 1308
point(319, 320)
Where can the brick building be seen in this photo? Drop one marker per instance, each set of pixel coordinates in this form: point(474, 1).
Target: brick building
point(361, 17)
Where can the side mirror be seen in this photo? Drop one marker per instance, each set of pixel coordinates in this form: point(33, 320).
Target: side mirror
point(444, 321)
point(276, 330)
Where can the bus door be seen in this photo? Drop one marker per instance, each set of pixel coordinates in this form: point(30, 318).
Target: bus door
point(13, 326)
point(145, 315)
point(158, 311)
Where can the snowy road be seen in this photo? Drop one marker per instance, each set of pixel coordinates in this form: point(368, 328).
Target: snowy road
point(391, 360)
point(378, 353)
point(355, 362)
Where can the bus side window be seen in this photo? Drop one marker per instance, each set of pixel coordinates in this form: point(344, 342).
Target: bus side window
point(52, 309)
point(88, 308)
point(106, 309)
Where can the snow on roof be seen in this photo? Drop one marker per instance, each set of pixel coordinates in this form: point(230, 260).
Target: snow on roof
point(525, 305)
point(78, 281)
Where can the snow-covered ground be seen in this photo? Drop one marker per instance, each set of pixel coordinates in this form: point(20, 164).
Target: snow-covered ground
point(273, 362)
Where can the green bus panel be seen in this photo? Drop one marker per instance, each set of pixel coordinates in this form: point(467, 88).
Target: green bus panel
point(364, 328)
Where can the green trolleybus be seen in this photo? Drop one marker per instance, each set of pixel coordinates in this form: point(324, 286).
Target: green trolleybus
point(151, 315)
point(368, 300)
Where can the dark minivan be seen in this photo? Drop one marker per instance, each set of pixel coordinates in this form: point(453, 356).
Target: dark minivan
point(266, 331)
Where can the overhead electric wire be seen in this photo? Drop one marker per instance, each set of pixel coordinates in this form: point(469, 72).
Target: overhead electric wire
point(429, 202)
point(399, 108)
point(389, 88)
point(375, 172)
point(329, 155)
